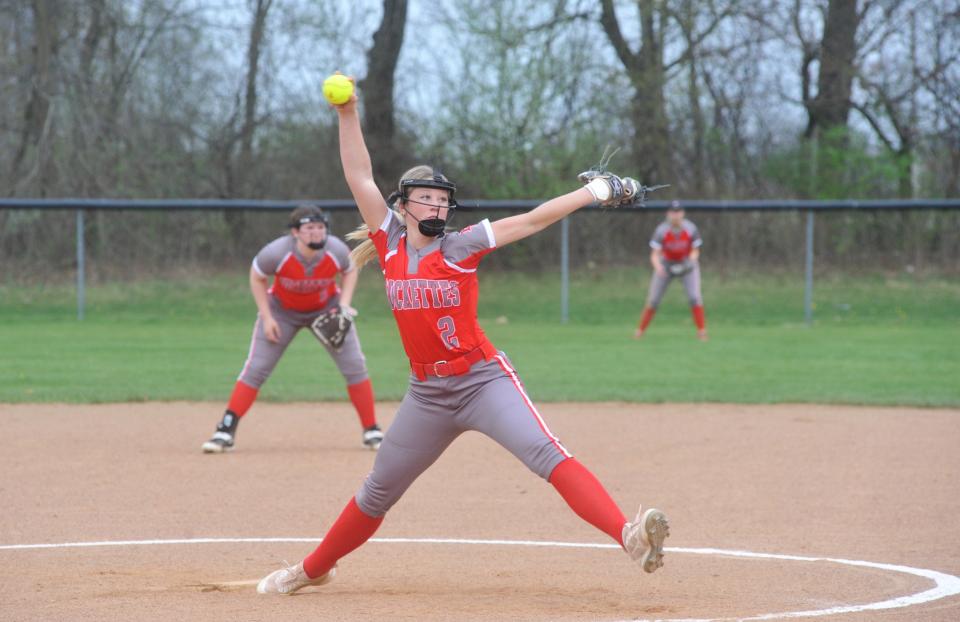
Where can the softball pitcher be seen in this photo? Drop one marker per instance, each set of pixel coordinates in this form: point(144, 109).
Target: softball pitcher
point(304, 266)
point(675, 254)
point(459, 381)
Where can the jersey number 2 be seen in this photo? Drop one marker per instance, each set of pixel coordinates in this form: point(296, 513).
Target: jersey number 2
point(447, 332)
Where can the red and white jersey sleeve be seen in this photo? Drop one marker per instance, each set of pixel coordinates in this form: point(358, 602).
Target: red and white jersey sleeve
point(300, 284)
point(433, 292)
point(676, 244)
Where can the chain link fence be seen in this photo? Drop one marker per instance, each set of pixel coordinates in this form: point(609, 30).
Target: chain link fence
point(93, 241)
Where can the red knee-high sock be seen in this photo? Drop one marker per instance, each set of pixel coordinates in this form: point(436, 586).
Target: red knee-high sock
point(698, 317)
point(352, 529)
point(361, 394)
point(242, 397)
point(646, 318)
point(586, 496)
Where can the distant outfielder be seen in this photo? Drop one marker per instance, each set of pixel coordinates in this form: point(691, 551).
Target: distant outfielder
point(459, 381)
point(305, 265)
point(675, 254)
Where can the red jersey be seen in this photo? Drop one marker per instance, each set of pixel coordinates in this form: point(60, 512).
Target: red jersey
point(302, 285)
point(434, 291)
point(676, 244)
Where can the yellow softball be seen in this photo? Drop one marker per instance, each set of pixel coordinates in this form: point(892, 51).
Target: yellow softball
point(337, 89)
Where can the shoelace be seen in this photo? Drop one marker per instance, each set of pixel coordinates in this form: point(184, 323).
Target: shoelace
point(286, 578)
point(635, 545)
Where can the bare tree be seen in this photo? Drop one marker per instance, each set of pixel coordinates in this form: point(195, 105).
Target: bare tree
point(943, 86)
point(260, 10)
point(35, 132)
point(830, 107)
point(912, 51)
point(718, 43)
point(544, 112)
point(647, 73)
point(378, 87)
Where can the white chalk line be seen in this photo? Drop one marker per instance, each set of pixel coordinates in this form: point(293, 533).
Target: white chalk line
point(945, 585)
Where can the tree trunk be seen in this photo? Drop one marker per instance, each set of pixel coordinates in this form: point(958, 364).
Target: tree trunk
point(244, 174)
point(906, 152)
point(952, 189)
point(91, 41)
point(257, 35)
point(831, 106)
point(377, 87)
point(38, 108)
point(697, 138)
point(646, 72)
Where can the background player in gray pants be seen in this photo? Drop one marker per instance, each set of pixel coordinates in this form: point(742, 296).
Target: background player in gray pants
point(305, 265)
point(675, 254)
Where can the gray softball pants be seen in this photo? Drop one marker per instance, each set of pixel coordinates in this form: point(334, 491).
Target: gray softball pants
point(691, 283)
point(264, 354)
point(488, 399)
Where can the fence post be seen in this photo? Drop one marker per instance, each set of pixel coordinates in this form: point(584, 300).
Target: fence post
point(81, 270)
point(564, 270)
point(808, 287)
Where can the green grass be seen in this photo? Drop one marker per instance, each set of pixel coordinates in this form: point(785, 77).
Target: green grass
point(875, 340)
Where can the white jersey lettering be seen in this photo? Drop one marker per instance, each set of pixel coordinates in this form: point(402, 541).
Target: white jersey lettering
point(305, 286)
point(410, 294)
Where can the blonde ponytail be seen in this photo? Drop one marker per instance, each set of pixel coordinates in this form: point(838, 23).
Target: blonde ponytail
point(365, 251)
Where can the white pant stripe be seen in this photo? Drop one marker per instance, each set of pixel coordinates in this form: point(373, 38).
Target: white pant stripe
point(253, 341)
point(543, 424)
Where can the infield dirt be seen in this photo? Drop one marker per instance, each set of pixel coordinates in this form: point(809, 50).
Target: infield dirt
point(875, 484)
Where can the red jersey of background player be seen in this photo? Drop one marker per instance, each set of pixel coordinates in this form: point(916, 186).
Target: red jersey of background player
point(302, 285)
point(676, 244)
point(434, 291)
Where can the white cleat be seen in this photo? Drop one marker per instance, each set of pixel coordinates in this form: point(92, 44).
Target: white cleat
point(643, 538)
point(290, 579)
point(372, 437)
point(219, 443)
